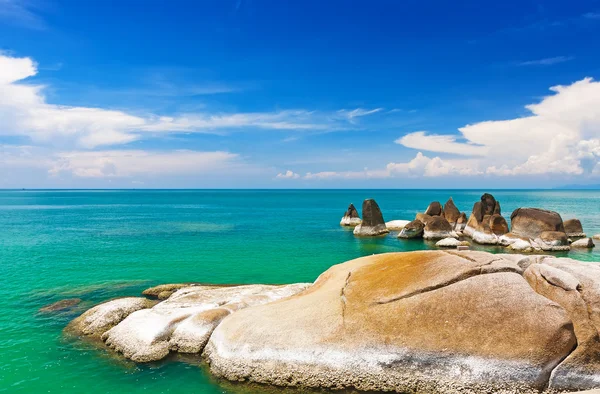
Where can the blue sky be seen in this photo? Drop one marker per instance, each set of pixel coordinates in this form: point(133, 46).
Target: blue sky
point(299, 94)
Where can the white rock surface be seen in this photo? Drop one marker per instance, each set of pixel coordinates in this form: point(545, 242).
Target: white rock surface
point(396, 225)
point(451, 243)
point(583, 243)
point(521, 245)
point(185, 321)
point(350, 222)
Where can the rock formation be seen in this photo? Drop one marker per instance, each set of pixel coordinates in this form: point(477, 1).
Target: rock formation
point(396, 225)
point(583, 243)
point(573, 228)
point(428, 322)
point(61, 305)
point(450, 243)
point(461, 222)
point(351, 217)
point(486, 224)
point(451, 212)
point(372, 223)
point(434, 209)
point(543, 229)
point(438, 228)
point(413, 229)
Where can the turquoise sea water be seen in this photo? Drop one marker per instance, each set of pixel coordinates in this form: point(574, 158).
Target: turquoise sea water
point(96, 245)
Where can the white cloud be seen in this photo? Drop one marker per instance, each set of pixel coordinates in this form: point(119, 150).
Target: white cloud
point(561, 136)
point(24, 111)
point(128, 163)
point(21, 13)
point(547, 61)
point(287, 175)
point(357, 113)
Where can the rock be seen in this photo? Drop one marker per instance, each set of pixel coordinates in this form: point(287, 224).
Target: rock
point(573, 228)
point(101, 318)
point(423, 218)
point(372, 223)
point(61, 305)
point(162, 292)
point(396, 225)
point(575, 286)
point(438, 228)
point(451, 213)
point(461, 222)
point(520, 245)
point(184, 322)
point(531, 222)
point(351, 217)
point(583, 243)
point(413, 229)
point(553, 241)
point(434, 209)
point(451, 243)
point(596, 236)
point(486, 225)
point(427, 322)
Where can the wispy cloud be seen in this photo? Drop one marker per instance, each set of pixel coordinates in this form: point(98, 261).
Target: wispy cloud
point(22, 13)
point(592, 15)
point(547, 61)
point(351, 115)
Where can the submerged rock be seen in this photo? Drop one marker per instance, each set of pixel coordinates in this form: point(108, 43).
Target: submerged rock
point(351, 217)
point(99, 319)
point(434, 209)
point(429, 322)
point(573, 228)
point(184, 322)
point(413, 229)
point(396, 225)
point(61, 305)
point(438, 228)
point(372, 223)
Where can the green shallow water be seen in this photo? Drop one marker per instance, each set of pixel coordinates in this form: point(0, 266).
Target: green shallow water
point(96, 245)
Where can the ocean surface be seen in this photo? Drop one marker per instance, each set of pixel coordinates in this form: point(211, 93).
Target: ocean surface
point(100, 244)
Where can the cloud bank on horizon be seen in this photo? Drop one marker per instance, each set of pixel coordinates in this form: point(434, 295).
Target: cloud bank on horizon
point(560, 135)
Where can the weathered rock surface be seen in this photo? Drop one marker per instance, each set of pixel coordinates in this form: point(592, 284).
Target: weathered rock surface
point(532, 222)
point(162, 292)
point(552, 241)
point(351, 217)
point(573, 228)
point(461, 222)
point(185, 320)
point(486, 225)
point(99, 319)
point(451, 212)
point(434, 209)
point(413, 229)
point(372, 223)
point(427, 322)
point(423, 218)
point(396, 225)
point(451, 243)
point(575, 286)
point(583, 243)
point(438, 228)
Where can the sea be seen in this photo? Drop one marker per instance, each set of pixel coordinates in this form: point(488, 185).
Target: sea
point(100, 244)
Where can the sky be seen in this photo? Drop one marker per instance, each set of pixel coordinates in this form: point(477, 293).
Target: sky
point(305, 94)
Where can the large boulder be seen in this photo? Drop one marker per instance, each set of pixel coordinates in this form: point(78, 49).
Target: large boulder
point(372, 223)
point(396, 225)
point(486, 225)
point(423, 218)
point(587, 243)
point(543, 228)
point(101, 318)
point(427, 322)
point(351, 217)
point(575, 286)
point(413, 229)
point(434, 209)
point(438, 228)
point(573, 228)
point(451, 212)
point(185, 320)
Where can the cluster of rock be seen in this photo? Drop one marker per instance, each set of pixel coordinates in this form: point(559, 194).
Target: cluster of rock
point(428, 321)
point(531, 229)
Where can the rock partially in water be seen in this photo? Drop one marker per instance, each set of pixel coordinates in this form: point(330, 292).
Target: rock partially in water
point(451, 212)
point(427, 322)
point(185, 320)
point(99, 319)
point(396, 225)
point(486, 225)
point(162, 292)
point(372, 223)
point(61, 305)
point(351, 217)
point(438, 228)
point(583, 243)
point(552, 241)
point(573, 228)
point(413, 229)
point(451, 243)
point(532, 222)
